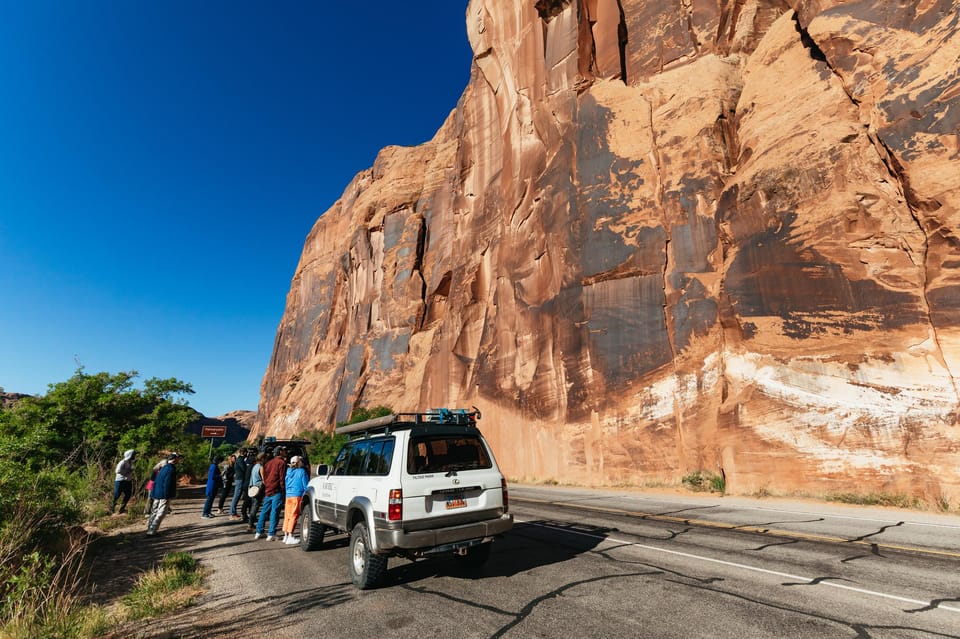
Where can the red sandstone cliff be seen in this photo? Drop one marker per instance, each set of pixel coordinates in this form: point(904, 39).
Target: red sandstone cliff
point(658, 237)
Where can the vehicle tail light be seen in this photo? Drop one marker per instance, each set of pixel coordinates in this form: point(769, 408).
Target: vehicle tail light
point(506, 494)
point(395, 508)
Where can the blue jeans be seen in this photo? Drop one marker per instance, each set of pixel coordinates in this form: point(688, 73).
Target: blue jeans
point(237, 492)
point(272, 504)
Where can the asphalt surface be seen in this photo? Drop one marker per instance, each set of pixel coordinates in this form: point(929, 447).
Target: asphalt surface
point(599, 564)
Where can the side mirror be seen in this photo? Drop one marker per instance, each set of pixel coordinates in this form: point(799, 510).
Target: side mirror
point(322, 470)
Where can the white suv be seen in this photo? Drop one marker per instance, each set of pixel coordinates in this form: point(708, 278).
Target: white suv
point(411, 484)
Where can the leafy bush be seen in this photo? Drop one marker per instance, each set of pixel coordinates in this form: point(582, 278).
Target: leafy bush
point(57, 454)
point(703, 481)
point(363, 414)
point(324, 446)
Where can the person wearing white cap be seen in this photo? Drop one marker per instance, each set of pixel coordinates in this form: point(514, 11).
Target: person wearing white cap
point(296, 484)
point(123, 483)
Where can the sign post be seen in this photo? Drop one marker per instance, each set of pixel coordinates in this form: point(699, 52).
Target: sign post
point(211, 433)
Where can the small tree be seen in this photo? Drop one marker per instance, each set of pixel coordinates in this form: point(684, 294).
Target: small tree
point(324, 446)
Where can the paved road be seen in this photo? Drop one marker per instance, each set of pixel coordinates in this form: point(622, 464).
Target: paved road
point(604, 564)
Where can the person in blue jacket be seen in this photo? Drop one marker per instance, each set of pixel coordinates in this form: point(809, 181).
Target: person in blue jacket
point(163, 491)
point(296, 484)
point(214, 484)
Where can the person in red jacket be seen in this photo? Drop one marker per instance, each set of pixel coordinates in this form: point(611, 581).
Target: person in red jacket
point(274, 474)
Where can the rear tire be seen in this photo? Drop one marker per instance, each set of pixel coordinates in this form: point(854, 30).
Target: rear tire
point(476, 556)
point(366, 569)
point(311, 532)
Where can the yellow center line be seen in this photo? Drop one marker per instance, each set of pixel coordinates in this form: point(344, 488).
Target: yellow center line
point(746, 528)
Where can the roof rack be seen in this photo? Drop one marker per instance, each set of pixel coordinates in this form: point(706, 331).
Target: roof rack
point(396, 421)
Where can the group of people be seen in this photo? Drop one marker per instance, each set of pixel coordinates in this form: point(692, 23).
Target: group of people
point(262, 484)
point(276, 481)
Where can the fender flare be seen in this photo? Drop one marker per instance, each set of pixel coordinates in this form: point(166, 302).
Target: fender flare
point(307, 508)
point(365, 508)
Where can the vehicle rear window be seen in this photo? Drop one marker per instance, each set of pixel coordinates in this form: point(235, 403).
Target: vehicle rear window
point(443, 453)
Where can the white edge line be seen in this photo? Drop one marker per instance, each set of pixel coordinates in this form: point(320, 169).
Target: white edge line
point(732, 564)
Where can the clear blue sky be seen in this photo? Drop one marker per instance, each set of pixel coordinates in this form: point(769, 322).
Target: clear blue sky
point(161, 164)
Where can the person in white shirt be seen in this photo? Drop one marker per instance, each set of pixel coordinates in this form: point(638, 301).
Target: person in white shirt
point(123, 482)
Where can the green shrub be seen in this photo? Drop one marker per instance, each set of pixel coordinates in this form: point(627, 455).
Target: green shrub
point(718, 484)
point(704, 481)
point(57, 454)
point(324, 446)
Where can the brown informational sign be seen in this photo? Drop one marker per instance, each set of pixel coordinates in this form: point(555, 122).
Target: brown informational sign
point(213, 431)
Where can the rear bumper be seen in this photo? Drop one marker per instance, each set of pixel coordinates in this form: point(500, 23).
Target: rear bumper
point(424, 540)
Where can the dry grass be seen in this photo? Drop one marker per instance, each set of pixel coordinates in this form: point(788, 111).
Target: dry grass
point(174, 584)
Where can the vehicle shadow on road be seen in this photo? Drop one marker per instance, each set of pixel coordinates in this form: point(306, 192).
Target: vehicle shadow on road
point(520, 550)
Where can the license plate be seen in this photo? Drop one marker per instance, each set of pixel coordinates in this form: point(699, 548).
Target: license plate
point(456, 502)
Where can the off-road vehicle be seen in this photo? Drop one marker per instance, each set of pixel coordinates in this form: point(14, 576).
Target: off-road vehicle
point(409, 484)
point(293, 447)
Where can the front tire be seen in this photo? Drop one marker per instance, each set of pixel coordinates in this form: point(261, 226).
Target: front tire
point(311, 532)
point(366, 569)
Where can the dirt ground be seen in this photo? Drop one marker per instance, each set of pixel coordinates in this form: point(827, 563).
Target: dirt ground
point(116, 560)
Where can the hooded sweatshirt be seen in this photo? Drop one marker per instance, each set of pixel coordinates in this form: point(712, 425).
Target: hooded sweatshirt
point(296, 482)
point(125, 467)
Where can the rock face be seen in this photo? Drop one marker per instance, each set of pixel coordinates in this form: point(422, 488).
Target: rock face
point(661, 237)
point(9, 400)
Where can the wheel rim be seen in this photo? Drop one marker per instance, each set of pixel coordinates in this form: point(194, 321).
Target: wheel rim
point(305, 529)
point(359, 555)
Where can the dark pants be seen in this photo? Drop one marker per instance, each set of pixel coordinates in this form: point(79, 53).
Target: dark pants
point(245, 508)
point(227, 491)
point(122, 487)
point(208, 505)
point(255, 508)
